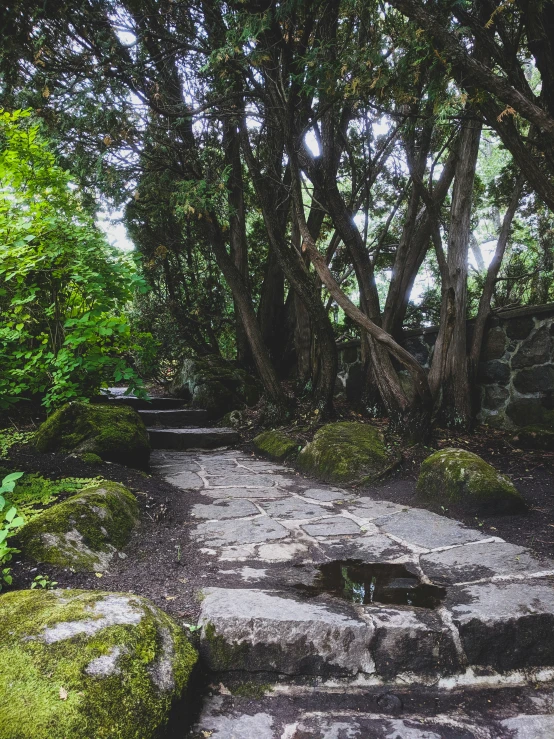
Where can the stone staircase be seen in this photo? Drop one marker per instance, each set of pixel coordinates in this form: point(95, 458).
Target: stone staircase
point(171, 425)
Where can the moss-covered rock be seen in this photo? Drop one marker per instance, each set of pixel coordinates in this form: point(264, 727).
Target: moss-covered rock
point(459, 476)
point(114, 433)
point(346, 452)
point(81, 664)
point(90, 458)
point(215, 384)
point(233, 419)
point(276, 445)
point(85, 531)
point(535, 437)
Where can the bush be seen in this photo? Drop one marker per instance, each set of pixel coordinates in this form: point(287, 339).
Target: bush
point(64, 289)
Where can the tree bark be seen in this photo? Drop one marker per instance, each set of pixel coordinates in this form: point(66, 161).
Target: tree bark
point(448, 377)
point(243, 301)
point(237, 229)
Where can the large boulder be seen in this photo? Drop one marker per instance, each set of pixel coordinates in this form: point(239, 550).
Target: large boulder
point(276, 445)
point(84, 531)
point(346, 452)
point(116, 434)
point(83, 664)
point(461, 477)
point(215, 384)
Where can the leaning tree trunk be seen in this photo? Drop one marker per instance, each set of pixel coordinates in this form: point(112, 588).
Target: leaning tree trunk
point(416, 414)
point(484, 309)
point(448, 377)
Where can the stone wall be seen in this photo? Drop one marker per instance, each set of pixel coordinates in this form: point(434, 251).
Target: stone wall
point(516, 374)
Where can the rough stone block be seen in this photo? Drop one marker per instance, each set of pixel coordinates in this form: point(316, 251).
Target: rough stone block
point(257, 630)
point(534, 351)
point(505, 625)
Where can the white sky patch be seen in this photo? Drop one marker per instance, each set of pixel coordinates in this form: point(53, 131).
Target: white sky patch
point(110, 222)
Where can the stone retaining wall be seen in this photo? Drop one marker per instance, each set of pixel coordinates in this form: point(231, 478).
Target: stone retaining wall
point(516, 374)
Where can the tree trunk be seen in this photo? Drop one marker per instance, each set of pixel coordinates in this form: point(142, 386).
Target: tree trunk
point(241, 295)
point(484, 309)
point(237, 229)
point(448, 377)
point(414, 416)
point(300, 281)
point(411, 253)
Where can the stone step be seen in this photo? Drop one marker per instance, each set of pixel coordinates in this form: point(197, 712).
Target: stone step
point(277, 632)
point(417, 712)
point(178, 418)
point(192, 438)
point(496, 626)
point(151, 404)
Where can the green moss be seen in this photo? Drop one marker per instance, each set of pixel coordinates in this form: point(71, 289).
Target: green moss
point(252, 690)
point(535, 437)
point(114, 433)
point(84, 531)
point(222, 655)
point(346, 452)
point(459, 476)
point(91, 458)
point(33, 493)
point(276, 444)
point(130, 702)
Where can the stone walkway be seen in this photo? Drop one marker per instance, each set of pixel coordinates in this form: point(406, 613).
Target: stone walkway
point(269, 529)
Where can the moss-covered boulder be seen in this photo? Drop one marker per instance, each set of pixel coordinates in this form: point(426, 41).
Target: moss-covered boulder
point(216, 385)
point(79, 664)
point(276, 445)
point(535, 437)
point(346, 452)
point(233, 419)
point(459, 476)
point(85, 531)
point(116, 434)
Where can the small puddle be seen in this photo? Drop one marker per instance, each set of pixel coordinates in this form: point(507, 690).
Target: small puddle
point(374, 584)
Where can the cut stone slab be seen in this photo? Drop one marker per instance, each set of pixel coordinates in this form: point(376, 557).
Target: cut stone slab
point(235, 479)
point(368, 508)
point(412, 641)
point(370, 548)
point(479, 561)
point(225, 509)
point(294, 508)
point(427, 530)
point(251, 531)
point(505, 625)
point(256, 630)
point(158, 404)
point(326, 496)
point(250, 493)
point(282, 551)
point(333, 526)
point(529, 727)
point(185, 480)
point(233, 726)
point(174, 418)
point(198, 438)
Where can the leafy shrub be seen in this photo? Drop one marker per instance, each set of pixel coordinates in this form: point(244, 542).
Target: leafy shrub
point(9, 523)
point(64, 289)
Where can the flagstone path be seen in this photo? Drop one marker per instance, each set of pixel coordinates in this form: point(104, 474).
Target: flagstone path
point(269, 529)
